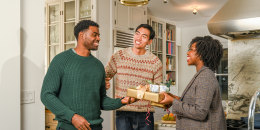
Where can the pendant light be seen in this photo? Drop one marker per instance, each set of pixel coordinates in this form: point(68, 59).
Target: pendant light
point(134, 2)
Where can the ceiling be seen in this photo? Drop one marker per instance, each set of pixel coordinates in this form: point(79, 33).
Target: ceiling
point(180, 11)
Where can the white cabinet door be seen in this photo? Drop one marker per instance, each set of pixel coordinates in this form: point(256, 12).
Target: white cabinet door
point(128, 18)
point(122, 19)
point(138, 16)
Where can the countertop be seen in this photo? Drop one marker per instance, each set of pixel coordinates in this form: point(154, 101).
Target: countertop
point(161, 126)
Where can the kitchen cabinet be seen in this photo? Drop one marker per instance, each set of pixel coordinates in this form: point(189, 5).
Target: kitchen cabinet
point(61, 17)
point(128, 18)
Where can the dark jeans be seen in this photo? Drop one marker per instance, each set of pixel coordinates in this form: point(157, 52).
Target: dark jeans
point(93, 127)
point(133, 121)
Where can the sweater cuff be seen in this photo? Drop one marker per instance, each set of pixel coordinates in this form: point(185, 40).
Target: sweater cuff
point(175, 106)
point(120, 103)
point(69, 114)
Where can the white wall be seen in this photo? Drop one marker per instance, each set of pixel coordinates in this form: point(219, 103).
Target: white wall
point(21, 64)
point(187, 34)
point(32, 61)
point(105, 49)
point(10, 65)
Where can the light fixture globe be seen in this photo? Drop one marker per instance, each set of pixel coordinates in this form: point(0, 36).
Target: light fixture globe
point(134, 2)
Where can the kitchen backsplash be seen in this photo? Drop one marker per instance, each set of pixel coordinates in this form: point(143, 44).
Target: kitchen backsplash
point(243, 75)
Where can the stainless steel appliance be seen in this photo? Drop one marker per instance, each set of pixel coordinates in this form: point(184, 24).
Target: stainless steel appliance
point(237, 19)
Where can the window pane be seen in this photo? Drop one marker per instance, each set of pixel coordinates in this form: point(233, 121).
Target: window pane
point(160, 30)
point(154, 45)
point(69, 11)
point(85, 9)
point(69, 32)
point(54, 13)
point(54, 34)
point(223, 83)
point(160, 45)
point(223, 66)
point(54, 50)
point(68, 46)
point(154, 25)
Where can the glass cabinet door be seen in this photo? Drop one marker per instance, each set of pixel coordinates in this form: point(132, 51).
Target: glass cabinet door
point(154, 44)
point(157, 45)
point(160, 39)
point(69, 23)
point(84, 9)
point(53, 31)
point(62, 16)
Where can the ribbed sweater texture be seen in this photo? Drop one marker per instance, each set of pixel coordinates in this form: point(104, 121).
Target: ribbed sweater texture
point(76, 84)
point(131, 70)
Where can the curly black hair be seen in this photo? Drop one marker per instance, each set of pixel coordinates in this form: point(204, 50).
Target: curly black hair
point(209, 50)
point(147, 26)
point(82, 25)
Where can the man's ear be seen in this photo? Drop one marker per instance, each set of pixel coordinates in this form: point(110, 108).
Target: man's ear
point(81, 35)
point(150, 41)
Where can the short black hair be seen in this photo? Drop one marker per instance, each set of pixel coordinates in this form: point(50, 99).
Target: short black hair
point(82, 25)
point(209, 50)
point(147, 26)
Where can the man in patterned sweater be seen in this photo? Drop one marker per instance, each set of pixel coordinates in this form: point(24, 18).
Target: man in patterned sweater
point(134, 66)
point(74, 85)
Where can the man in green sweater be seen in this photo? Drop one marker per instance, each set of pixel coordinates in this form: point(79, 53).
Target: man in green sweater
point(74, 85)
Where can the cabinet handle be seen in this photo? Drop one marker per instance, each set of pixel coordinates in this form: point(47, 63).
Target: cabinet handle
point(47, 127)
point(131, 28)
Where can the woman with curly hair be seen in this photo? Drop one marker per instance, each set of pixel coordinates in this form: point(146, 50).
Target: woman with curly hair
point(200, 106)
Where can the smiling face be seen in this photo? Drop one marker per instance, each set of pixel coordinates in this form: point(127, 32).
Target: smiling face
point(192, 56)
point(142, 38)
point(91, 38)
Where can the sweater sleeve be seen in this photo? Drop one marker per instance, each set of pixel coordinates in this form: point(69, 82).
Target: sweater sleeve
point(111, 68)
point(108, 103)
point(158, 78)
point(50, 90)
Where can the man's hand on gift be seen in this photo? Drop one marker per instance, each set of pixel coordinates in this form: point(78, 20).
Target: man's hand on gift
point(168, 98)
point(107, 83)
point(128, 100)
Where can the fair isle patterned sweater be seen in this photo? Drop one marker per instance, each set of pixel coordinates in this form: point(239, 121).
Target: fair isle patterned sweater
point(133, 70)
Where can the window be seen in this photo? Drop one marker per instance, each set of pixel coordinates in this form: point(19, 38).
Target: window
point(222, 74)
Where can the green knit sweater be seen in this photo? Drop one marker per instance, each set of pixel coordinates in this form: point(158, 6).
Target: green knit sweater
point(76, 84)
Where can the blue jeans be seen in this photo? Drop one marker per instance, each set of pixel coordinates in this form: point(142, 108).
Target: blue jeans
point(133, 121)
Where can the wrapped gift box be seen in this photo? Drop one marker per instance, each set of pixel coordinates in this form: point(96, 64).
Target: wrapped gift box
point(150, 96)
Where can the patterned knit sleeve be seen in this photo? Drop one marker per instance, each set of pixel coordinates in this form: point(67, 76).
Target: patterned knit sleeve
point(111, 67)
point(158, 78)
point(50, 89)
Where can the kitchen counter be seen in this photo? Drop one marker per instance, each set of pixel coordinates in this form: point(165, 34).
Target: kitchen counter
point(161, 126)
